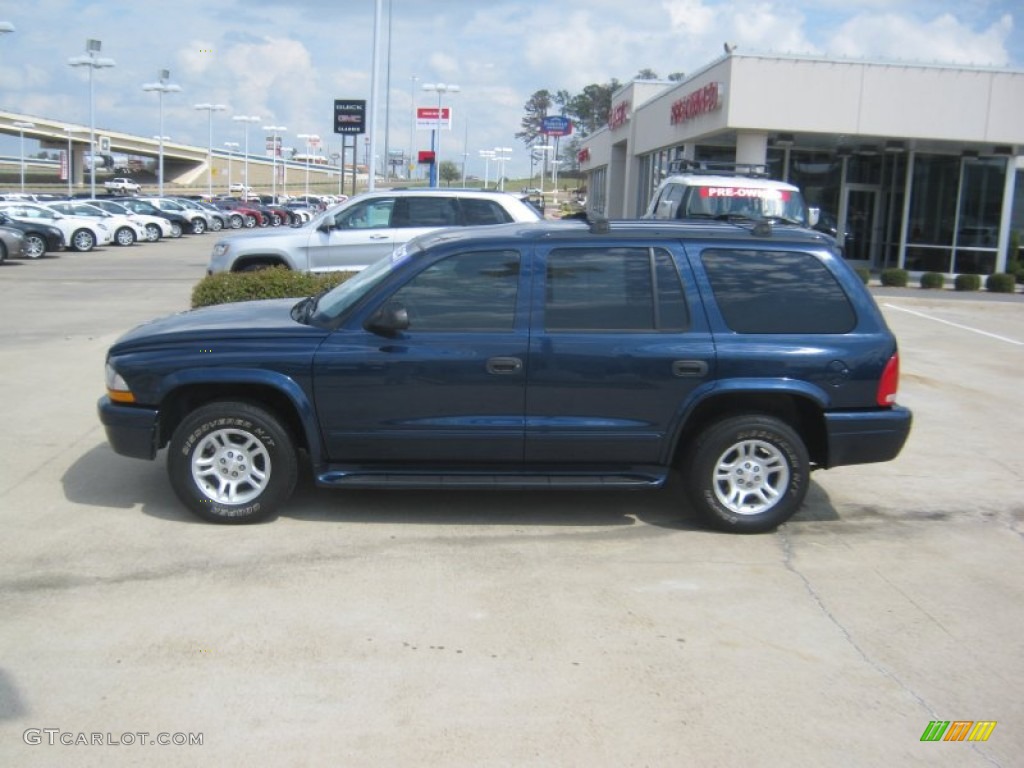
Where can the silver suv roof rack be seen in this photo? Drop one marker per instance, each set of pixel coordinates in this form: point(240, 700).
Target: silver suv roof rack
point(718, 168)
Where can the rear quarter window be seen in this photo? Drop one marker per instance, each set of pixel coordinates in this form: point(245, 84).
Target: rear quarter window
point(777, 292)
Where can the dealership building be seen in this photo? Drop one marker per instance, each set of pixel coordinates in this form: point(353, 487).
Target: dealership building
point(912, 165)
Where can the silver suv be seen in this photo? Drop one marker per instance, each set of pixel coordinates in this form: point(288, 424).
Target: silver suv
point(366, 228)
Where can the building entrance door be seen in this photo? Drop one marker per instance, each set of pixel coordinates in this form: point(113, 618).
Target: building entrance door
point(859, 223)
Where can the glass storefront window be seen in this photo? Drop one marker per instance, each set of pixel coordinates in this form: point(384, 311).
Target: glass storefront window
point(818, 174)
point(981, 201)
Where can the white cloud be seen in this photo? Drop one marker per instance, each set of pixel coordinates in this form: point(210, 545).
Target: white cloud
point(942, 39)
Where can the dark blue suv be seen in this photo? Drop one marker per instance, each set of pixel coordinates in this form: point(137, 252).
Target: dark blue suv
point(546, 355)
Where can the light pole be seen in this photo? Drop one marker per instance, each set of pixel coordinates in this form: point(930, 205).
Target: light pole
point(69, 130)
point(93, 61)
point(554, 175)
point(210, 109)
point(487, 155)
point(275, 130)
point(21, 125)
point(412, 126)
point(502, 154)
point(246, 119)
point(231, 147)
point(543, 149)
point(435, 142)
point(162, 87)
point(309, 137)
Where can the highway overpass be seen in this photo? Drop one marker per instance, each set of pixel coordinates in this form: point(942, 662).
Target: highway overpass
point(185, 165)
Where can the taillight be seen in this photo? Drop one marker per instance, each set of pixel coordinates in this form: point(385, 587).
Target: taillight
point(890, 381)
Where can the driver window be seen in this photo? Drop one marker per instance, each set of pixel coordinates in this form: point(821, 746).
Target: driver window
point(373, 214)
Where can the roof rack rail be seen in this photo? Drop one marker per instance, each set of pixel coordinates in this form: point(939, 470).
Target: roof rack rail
point(718, 168)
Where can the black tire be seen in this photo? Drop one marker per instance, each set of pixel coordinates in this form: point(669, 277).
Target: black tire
point(3, 253)
point(125, 236)
point(198, 226)
point(216, 224)
point(176, 230)
point(747, 474)
point(244, 450)
point(250, 221)
point(236, 221)
point(35, 246)
point(153, 232)
point(83, 240)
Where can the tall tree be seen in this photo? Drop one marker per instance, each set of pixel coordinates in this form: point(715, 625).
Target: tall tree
point(536, 109)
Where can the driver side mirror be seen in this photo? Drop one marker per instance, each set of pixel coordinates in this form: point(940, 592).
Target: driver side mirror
point(813, 216)
point(326, 225)
point(389, 320)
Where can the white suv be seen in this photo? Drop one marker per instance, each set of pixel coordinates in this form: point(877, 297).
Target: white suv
point(366, 228)
point(80, 233)
point(728, 192)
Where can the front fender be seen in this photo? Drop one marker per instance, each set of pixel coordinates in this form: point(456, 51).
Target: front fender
point(237, 379)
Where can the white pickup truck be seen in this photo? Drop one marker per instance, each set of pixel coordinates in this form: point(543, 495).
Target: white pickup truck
point(122, 187)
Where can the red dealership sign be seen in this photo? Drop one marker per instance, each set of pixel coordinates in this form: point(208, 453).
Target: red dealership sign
point(700, 102)
point(618, 115)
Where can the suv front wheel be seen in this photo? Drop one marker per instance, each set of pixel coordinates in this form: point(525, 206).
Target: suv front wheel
point(232, 462)
point(747, 474)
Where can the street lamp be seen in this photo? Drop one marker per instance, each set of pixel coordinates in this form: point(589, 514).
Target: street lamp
point(274, 131)
point(92, 60)
point(161, 88)
point(246, 119)
point(502, 154)
point(543, 149)
point(210, 109)
point(21, 125)
point(309, 137)
point(487, 155)
point(440, 89)
point(412, 127)
point(232, 146)
point(69, 130)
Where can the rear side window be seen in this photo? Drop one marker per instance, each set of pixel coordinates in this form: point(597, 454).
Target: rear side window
point(777, 292)
point(486, 212)
point(425, 212)
point(668, 202)
point(613, 289)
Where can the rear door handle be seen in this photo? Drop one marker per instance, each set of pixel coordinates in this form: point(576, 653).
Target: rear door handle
point(689, 368)
point(504, 365)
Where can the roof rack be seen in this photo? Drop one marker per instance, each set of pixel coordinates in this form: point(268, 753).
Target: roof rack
point(718, 168)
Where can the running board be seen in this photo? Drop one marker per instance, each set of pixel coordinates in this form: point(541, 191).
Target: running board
point(634, 478)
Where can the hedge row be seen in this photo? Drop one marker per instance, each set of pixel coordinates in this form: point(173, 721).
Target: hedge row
point(272, 283)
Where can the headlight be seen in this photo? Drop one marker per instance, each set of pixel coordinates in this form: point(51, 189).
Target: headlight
point(219, 250)
point(117, 387)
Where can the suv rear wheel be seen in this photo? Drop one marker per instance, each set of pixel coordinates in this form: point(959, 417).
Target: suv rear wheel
point(232, 462)
point(747, 474)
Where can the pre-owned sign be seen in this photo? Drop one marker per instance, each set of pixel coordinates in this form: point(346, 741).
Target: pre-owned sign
point(350, 116)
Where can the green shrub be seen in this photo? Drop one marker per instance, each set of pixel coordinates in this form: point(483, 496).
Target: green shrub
point(864, 273)
point(932, 280)
point(967, 282)
point(895, 277)
point(1001, 282)
point(272, 283)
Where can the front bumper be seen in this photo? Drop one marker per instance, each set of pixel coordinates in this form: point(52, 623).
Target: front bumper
point(864, 437)
point(131, 431)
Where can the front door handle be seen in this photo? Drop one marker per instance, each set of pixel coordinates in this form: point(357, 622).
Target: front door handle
point(689, 368)
point(380, 237)
point(504, 365)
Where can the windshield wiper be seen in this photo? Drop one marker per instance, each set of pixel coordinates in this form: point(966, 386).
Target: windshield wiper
point(784, 220)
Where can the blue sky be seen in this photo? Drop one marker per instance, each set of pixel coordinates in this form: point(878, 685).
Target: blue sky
point(287, 62)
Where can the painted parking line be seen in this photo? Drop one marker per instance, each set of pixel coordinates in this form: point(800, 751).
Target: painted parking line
point(956, 325)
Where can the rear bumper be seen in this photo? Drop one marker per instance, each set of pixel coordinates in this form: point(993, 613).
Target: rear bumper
point(131, 431)
point(864, 437)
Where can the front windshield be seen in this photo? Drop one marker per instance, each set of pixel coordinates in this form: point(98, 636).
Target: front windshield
point(338, 300)
point(739, 202)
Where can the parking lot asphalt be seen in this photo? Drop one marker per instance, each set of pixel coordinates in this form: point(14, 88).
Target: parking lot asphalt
point(500, 629)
